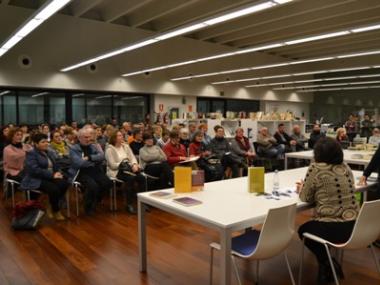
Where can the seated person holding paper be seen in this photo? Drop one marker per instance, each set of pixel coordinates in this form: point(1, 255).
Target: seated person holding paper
point(330, 185)
point(154, 163)
point(221, 148)
point(175, 152)
point(211, 165)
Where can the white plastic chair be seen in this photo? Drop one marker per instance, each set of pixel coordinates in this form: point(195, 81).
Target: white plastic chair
point(365, 232)
point(275, 236)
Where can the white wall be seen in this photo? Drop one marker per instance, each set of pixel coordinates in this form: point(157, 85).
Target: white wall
point(172, 101)
point(298, 108)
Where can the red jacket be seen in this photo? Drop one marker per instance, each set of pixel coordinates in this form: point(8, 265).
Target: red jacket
point(174, 152)
point(195, 148)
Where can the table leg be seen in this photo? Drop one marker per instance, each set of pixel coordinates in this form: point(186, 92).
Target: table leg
point(225, 257)
point(142, 236)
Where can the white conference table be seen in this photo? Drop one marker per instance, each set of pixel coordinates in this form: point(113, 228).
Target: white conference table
point(347, 156)
point(226, 207)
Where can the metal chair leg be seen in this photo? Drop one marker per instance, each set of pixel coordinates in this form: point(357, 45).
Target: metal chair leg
point(68, 203)
point(13, 194)
point(114, 199)
point(331, 264)
point(236, 269)
point(375, 258)
point(77, 198)
point(301, 262)
point(289, 268)
point(257, 272)
point(211, 264)
point(111, 198)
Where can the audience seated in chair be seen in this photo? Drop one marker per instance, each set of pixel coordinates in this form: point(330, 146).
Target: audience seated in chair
point(335, 204)
point(241, 146)
point(375, 138)
point(61, 151)
point(154, 163)
point(137, 142)
point(342, 138)
point(299, 138)
point(184, 138)
point(88, 160)
point(267, 145)
point(284, 139)
point(175, 152)
point(117, 152)
point(211, 165)
point(163, 139)
point(221, 148)
point(14, 155)
point(42, 173)
point(203, 128)
point(315, 135)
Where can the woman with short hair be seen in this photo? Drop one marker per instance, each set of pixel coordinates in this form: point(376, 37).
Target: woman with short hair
point(14, 155)
point(330, 185)
point(42, 173)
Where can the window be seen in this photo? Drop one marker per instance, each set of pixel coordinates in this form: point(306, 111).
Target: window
point(31, 107)
point(9, 112)
point(57, 108)
point(99, 108)
point(130, 108)
point(211, 105)
point(79, 108)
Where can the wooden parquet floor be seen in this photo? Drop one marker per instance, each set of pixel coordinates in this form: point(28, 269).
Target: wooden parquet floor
point(103, 250)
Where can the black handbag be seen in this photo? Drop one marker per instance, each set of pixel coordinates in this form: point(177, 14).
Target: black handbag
point(27, 215)
point(125, 169)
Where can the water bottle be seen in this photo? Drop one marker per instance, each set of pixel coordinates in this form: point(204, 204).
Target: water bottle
point(276, 183)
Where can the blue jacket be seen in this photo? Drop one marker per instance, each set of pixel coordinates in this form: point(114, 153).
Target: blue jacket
point(36, 169)
point(77, 161)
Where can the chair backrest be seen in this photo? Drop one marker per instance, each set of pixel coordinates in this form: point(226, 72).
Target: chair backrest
point(367, 226)
point(276, 233)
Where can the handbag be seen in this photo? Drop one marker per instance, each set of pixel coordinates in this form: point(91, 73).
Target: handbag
point(125, 168)
point(27, 215)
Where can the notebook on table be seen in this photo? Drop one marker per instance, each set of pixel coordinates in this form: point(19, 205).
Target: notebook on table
point(187, 201)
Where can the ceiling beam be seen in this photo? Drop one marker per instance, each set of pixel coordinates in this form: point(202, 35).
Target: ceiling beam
point(200, 10)
point(159, 9)
point(120, 8)
point(80, 7)
point(353, 10)
point(304, 30)
point(278, 13)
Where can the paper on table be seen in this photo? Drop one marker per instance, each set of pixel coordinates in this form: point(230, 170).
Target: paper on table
point(190, 159)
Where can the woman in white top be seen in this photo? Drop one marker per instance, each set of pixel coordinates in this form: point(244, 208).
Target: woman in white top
point(118, 151)
point(375, 138)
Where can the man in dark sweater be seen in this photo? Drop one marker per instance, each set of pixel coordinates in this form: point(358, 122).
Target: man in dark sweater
point(220, 148)
point(315, 135)
point(283, 138)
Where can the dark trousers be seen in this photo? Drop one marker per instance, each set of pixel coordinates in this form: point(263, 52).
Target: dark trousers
point(161, 170)
point(227, 161)
point(336, 232)
point(95, 183)
point(130, 191)
point(56, 190)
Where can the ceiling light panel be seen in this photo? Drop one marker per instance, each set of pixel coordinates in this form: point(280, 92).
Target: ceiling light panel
point(42, 14)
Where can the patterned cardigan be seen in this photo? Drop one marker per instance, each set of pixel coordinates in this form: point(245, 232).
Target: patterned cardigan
point(332, 189)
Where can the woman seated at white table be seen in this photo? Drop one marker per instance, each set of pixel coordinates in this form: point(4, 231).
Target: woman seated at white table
point(375, 138)
point(330, 185)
